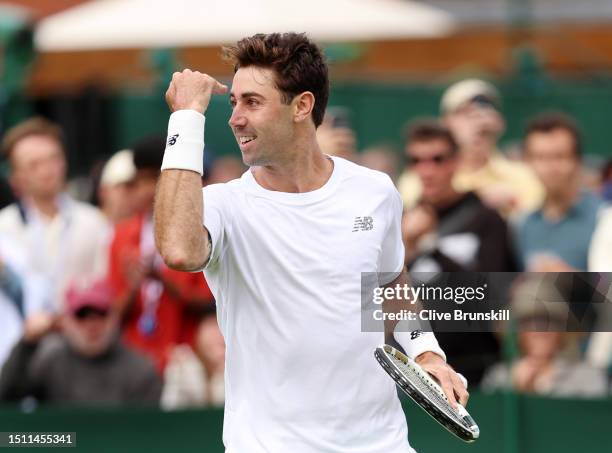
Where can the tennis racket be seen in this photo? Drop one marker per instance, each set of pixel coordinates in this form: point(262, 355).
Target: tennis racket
point(426, 393)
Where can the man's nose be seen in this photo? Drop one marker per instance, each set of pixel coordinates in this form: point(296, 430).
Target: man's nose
point(237, 119)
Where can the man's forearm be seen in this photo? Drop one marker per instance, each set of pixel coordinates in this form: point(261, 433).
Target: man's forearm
point(411, 335)
point(179, 232)
point(180, 235)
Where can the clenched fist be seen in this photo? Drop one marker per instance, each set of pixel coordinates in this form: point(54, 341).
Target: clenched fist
point(192, 90)
point(37, 325)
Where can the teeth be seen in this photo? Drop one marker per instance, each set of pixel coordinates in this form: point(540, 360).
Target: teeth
point(244, 140)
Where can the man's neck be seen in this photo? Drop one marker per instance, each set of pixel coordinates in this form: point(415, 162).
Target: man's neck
point(306, 169)
point(47, 206)
point(557, 205)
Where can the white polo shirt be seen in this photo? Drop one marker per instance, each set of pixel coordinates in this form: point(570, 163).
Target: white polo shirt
point(71, 247)
point(286, 272)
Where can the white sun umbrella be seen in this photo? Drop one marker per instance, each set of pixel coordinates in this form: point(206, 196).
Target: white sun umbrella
point(117, 24)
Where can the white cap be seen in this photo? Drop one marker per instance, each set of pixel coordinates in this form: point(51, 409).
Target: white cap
point(465, 91)
point(119, 169)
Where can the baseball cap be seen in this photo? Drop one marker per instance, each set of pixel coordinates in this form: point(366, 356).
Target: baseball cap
point(119, 169)
point(98, 296)
point(469, 90)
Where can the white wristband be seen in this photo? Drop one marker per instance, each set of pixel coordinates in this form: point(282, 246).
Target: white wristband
point(417, 342)
point(185, 143)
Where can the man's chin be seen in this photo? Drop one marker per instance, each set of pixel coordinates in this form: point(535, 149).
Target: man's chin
point(251, 160)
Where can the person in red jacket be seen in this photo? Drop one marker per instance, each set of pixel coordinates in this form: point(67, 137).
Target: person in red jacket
point(160, 307)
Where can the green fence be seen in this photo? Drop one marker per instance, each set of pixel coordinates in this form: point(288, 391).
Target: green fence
point(381, 110)
point(534, 425)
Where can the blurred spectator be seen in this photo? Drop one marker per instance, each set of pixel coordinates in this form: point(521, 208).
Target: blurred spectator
point(451, 231)
point(470, 110)
point(546, 364)
point(556, 237)
point(64, 239)
point(159, 305)
point(606, 181)
point(115, 190)
point(194, 377)
point(85, 364)
point(225, 169)
point(21, 293)
point(335, 135)
point(382, 158)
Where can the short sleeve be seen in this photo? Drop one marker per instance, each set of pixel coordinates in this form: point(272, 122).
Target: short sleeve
point(216, 221)
point(392, 253)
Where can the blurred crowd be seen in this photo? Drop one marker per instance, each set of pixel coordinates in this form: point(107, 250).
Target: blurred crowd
point(90, 314)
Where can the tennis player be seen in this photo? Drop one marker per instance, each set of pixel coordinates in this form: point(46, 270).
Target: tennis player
point(283, 249)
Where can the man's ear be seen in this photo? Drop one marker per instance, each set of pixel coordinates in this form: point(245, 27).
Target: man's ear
point(303, 104)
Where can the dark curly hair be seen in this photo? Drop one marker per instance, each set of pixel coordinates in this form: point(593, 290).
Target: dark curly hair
point(298, 64)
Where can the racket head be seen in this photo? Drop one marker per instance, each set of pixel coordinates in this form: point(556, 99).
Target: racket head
point(426, 393)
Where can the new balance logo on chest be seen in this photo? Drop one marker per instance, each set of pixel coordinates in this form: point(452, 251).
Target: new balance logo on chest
point(365, 223)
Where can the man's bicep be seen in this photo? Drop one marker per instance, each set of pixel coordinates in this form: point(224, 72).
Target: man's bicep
point(215, 229)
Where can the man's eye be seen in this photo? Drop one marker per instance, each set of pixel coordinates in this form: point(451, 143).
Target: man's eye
point(253, 102)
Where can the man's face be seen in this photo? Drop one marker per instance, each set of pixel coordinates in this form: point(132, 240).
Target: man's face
point(262, 124)
point(90, 332)
point(553, 158)
point(475, 127)
point(118, 200)
point(540, 345)
point(435, 164)
point(38, 167)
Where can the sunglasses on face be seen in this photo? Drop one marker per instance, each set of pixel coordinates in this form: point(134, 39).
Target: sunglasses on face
point(90, 312)
point(438, 159)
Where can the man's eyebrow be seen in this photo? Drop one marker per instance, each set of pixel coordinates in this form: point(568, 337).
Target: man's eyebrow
point(248, 94)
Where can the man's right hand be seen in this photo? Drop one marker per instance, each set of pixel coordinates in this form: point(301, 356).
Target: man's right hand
point(37, 325)
point(417, 222)
point(192, 90)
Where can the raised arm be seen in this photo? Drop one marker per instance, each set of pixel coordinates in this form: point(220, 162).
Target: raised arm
point(180, 235)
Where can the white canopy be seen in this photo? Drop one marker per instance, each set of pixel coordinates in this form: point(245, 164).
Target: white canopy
point(116, 24)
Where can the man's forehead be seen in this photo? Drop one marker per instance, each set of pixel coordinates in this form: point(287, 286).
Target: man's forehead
point(433, 145)
point(35, 145)
point(253, 79)
point(554, 137)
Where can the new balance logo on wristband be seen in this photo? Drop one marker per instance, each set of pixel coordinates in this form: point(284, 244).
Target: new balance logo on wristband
point(415, 334)
point(172, 139)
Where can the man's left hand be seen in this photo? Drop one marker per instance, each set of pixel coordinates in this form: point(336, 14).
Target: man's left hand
point(449, 380)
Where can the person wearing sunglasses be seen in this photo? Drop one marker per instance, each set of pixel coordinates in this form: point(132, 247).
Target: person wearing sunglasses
point(471, 109)
point(77, 358)
point(452, 231)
